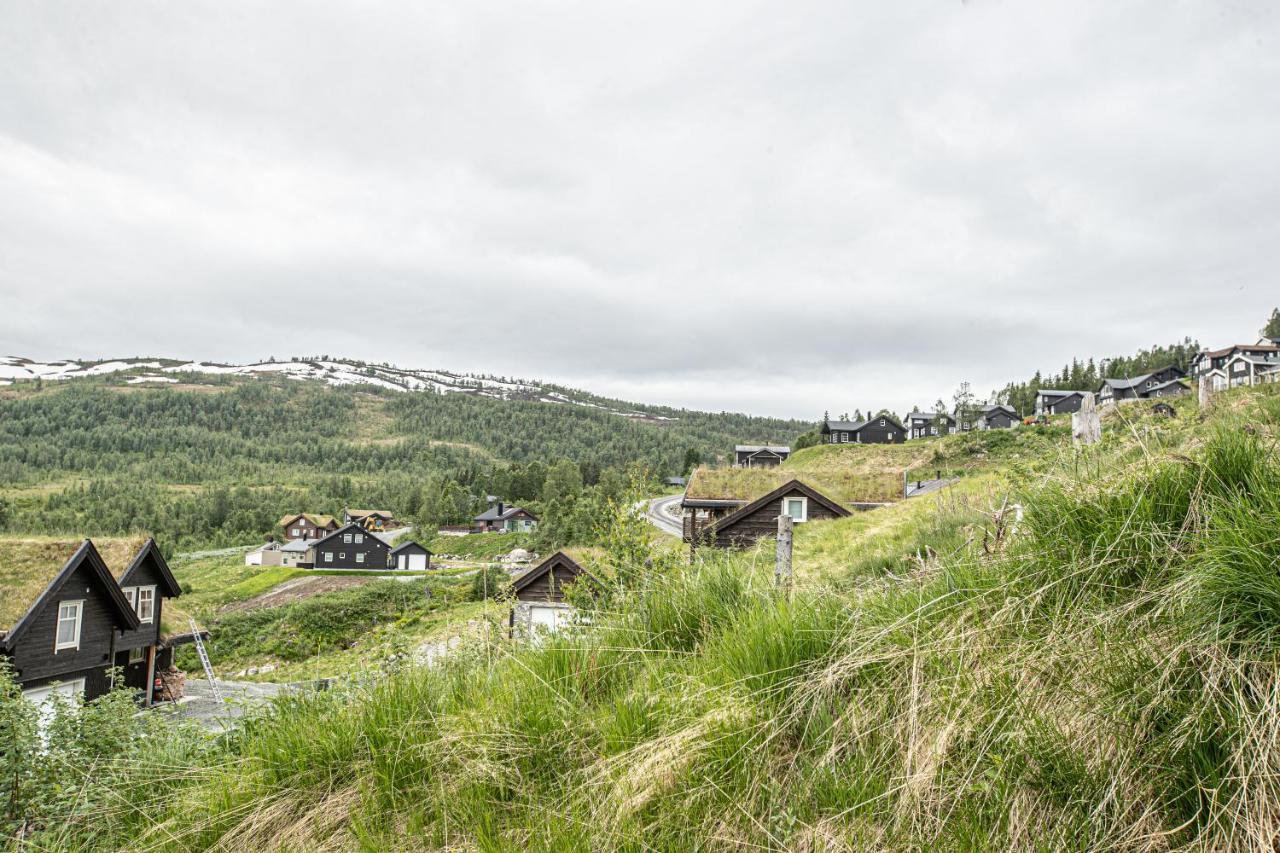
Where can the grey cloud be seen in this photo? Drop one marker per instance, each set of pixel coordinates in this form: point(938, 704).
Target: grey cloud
point(872, 201)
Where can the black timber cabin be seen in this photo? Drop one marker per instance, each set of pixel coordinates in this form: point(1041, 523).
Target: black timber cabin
point(998, 417)
point(538, 594)
point(65, 620)
point(1051, 402)
point(349, 547)
point(142, 652)
point(928, 424)
point(759, 518)
point(1141, 387)
point(759, 455)
point(882, 429)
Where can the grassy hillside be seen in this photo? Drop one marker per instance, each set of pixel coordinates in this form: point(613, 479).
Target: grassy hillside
point(1103, 674)
point(857, 473)
point(218, 464)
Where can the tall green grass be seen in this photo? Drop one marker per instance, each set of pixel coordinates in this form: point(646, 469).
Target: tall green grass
point(1108, 677)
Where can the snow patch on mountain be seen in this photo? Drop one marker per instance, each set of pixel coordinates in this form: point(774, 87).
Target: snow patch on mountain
point(331, 371)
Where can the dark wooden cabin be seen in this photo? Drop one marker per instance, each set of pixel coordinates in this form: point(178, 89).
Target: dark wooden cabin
point(500, 518)
point(882, 429)
point(61, 614)
point(142, 652)
point(929, 424)
point(759, 518)
point(998, 417)
point(409, 557)
point(759, 455)
point(1050, 402)
point(1139, 387)
point(539, 595)
point(349, 547)
point(307, 526)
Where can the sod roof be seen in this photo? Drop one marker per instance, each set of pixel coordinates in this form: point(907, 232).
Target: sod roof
point(317, 520)
point(29, 564)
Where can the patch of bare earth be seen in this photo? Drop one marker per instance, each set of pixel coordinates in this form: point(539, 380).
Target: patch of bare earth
point(298, 589)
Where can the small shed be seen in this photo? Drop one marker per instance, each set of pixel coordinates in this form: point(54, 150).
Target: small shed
point(539, 605)
point(410, 557)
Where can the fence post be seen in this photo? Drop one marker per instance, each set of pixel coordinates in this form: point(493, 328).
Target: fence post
point(782, 569)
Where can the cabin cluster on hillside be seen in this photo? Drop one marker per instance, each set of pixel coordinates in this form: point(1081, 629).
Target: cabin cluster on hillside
point(1239, 364)
point(362, 543)
point(77, 617)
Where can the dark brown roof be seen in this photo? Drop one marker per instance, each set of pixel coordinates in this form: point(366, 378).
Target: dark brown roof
point(557, 560)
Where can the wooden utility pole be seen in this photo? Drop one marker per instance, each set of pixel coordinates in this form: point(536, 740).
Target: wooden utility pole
point(782, 569)
point(1205, 392)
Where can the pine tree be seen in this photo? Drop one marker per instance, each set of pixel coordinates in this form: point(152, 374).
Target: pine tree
point(1272, 329)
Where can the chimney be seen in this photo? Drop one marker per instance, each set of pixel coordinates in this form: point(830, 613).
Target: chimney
point(501, 507)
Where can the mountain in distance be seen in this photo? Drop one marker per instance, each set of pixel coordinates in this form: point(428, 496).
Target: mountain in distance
point(332, 371)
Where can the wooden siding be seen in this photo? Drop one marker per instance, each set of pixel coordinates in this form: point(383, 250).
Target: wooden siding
point(344, 553)
point(544, 588)
point(34, 657)
point(148, 634)
point(764, 522)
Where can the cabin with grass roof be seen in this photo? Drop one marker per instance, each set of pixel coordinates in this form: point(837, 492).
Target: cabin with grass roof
point(759, 518)
point(307, 525)
point(72, 610)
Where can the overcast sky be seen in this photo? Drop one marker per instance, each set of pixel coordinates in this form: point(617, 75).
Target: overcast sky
point(778, 208)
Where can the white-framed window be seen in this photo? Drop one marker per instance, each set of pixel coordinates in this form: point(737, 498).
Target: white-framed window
point(359, 538)
point(360, 558)
point(342, 555)
point(146, 604)
point(346, 539)
point(328, 556)
point(891, 436)
point(797, 508)
point(882, 422)
point(296, 532)
point(69, 618)
point(131, 596)
point(137, 655)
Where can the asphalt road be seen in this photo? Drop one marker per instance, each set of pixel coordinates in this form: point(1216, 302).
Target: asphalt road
point(655, 512)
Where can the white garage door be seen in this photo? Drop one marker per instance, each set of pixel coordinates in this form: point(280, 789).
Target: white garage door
point(417, 562)
point(43, 698)
point(549, 619)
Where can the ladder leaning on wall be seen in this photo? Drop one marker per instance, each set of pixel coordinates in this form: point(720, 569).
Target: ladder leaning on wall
point(204, 661)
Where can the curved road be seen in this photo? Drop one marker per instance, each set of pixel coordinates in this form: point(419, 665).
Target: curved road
point(655, 512)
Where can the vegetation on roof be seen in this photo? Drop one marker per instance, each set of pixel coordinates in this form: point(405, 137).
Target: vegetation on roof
point(29, 564)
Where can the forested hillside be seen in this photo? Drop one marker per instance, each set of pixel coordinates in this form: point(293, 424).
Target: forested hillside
point(219, 462)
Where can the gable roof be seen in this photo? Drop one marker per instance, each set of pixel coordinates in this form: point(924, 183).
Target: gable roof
point(855, 426)
point(757, 448)
point(317, 520)
point(930, 415)
point(365, 513)
point(30, 569)
point(351, 527)
point(557, 560)
point(776, 495)
point(1126, 382)
point(1050, 392)
point(492, 514)
point(150, 550)
point(1164, 385)
point(999, 407)
point(298, 546)
point(1247, 348)
point(410, 546)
